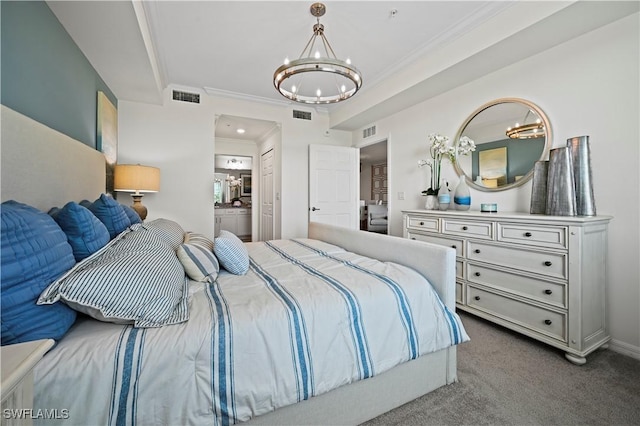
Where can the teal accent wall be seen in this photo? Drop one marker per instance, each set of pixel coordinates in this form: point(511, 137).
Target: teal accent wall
point(44, 75)
point(521, 154)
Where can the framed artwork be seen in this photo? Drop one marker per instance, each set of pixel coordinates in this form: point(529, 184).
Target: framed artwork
point(107, 137)
point(245, 185)
point(493, 167)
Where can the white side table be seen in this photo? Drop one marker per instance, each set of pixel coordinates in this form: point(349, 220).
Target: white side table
point(17, 380)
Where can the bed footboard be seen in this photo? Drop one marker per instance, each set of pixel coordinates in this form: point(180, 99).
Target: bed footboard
point(436, 263)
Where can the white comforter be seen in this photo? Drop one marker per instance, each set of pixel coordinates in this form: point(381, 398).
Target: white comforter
point(308, 317)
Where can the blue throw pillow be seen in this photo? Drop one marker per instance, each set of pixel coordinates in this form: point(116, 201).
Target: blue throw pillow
point(111, 213)
point(35, 252)
point(133, 215)
point(85, 232)
point(231, 252)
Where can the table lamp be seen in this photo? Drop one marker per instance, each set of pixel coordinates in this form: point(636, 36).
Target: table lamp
point(137, 179)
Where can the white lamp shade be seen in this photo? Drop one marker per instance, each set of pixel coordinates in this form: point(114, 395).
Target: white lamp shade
point(136, 178)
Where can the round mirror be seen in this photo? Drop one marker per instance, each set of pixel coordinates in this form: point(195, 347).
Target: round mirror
point(510, 136)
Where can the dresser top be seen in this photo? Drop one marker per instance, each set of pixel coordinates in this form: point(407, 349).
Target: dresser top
point(516, 216)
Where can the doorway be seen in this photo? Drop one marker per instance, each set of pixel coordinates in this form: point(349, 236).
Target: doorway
point(374, 186)
point(237, 172)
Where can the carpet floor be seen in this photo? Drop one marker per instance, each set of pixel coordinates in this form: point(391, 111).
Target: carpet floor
point(505, 378)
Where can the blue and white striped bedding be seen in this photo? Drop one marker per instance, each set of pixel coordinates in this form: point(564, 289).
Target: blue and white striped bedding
point(308, 317)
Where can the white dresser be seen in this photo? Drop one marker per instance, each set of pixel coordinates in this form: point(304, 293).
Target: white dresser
point(543, 276)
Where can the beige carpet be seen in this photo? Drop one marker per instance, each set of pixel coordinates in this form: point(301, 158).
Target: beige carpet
point(508, 379)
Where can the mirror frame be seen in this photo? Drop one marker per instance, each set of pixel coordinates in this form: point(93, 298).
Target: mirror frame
point(543, 156)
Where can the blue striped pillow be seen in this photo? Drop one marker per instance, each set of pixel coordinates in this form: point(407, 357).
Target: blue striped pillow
point(197, 258)
point(135, 279)
point(171, 232)
point(231, 253)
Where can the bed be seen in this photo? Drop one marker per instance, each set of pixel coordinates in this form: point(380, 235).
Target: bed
point(352, 323)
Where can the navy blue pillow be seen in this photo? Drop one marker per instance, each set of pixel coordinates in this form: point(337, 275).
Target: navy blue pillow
point(85, 232)
point(133, 215)
point(111, 213)
point(35, 252)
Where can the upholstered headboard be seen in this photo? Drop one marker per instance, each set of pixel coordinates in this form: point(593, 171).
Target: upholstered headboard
point(43, 167)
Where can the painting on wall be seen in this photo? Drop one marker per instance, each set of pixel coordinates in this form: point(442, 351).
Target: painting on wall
point(493, 167)
point(107, 137)
point(245, 190)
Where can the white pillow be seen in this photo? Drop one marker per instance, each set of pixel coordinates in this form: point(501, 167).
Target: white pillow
point(231, 252)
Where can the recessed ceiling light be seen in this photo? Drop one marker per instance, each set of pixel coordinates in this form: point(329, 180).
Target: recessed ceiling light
point(241, 131)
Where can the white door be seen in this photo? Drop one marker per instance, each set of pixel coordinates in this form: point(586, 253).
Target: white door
point(266, 196)
point(333, 185)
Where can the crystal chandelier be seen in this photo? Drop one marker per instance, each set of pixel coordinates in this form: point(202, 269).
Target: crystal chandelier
point(314, 78)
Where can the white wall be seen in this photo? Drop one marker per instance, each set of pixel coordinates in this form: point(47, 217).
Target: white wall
point(588, 86)
point(178, 138)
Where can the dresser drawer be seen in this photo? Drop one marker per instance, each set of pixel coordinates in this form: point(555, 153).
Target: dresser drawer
point(447, 242)
point(459, 294)
point(464, 228)
point(546, 263)
point(547, 322)
point(546, 236)
point(533, 288)
point(459, 269)
point(423, 223)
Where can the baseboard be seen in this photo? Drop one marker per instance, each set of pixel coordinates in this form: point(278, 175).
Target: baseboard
point(624, 348)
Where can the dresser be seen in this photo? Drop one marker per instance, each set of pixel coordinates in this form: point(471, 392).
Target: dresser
point(542, 276)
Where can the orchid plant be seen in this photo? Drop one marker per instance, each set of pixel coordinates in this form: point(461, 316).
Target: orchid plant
point(234, 186)
point(440, 148)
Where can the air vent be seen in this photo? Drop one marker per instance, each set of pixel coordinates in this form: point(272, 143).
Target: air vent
point(301, 115)
point(186, 97)
point(368, 132)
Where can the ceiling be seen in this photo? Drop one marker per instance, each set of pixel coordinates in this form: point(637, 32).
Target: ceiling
point(232, 48)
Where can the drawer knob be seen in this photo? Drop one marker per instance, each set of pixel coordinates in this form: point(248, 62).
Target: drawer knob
point(547, 321)
point(413, 238)
point(548, 263)
point(548, 292)
point(421, 223)
point(477, 250)
point(453, 246)
point(477, 274)
point(527, 234)
point(464, 228)
point(477, 297)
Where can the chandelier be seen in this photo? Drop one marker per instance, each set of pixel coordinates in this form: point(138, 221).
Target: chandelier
point(314, 78)
point(526, 131)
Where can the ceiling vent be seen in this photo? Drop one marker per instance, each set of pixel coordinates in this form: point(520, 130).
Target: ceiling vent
point(301, 115)
point(368, 132)
point(186, 97)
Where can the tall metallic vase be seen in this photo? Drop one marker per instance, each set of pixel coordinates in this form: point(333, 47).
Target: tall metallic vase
point(539, 187)
point(581, 158)
point(561, 195)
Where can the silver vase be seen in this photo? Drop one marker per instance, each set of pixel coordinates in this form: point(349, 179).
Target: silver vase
point(581, 158)
point(539, 188)
point(561, 190)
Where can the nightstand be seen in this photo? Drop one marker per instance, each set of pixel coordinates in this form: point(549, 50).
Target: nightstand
point(17, 379)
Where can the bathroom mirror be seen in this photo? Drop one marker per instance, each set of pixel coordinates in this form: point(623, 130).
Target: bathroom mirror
point(510, 135)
